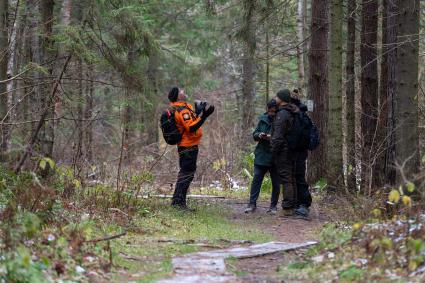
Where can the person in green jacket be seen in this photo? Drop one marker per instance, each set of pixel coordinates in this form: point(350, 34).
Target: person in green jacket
point(263, 160)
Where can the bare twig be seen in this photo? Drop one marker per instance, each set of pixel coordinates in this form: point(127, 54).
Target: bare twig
point(42, 118)
point(108, 238)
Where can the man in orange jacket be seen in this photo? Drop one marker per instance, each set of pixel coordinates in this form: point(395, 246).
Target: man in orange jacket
point(189, 123)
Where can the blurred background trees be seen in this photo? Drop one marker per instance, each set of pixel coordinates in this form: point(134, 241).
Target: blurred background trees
point(358, 61)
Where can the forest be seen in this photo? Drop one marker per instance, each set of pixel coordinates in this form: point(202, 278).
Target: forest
point(91, 190)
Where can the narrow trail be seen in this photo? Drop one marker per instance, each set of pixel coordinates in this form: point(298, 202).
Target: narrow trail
point(257, 263)
point(282, 228)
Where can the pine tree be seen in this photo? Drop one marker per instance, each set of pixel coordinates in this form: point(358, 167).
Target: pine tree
point(4, 55)
point(334, 136)
point(351, 94)
point(318, 81)
point(406, 110)
point(369, 89)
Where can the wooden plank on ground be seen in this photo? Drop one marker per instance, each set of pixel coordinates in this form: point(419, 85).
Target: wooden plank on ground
point(210, 266)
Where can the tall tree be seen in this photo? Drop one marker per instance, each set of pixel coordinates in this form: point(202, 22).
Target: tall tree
point(4, 52)
point(351, 94)
point(382, 133)
point(391, 38)
point(406, 110)
point(247, 33)
point(334, 141)
point(369, 88)
point(46, 136)
point(318, 81)
point(300, 44)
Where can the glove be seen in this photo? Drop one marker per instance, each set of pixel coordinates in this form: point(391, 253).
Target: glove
point(200, 107)
point(208, 112)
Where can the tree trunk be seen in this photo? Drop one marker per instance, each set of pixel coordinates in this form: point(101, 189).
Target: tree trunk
point(334, 148)
point(391, 37)
point(149, 109)
point(300, 44)
point(4, 55)
point(369, 89)
point(305, 46)
point(319, 84)
point(248, 72)
point(13, 63)
point(351, 94)
point(47, 133)
point(382, 141)
point(88, 116)
point(267, 96)
point(406, 110)
point(66, 12)
point(79, 124)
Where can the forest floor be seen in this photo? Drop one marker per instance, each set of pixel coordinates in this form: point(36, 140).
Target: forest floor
point(225, 226)
point(93, 236)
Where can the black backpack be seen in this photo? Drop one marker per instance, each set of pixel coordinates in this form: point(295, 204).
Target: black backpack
point(303, 134)
point(170, 132)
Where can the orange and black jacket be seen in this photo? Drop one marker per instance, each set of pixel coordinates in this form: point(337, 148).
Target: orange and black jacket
point(188, 123)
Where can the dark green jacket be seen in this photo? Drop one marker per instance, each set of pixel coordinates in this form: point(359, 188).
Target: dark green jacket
point(263, 155)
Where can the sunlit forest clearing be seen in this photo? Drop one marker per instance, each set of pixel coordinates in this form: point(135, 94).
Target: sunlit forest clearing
point(212, 141)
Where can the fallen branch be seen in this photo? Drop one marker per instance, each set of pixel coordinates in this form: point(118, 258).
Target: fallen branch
point(188, 196)
point(108, 238)
point(118, 210)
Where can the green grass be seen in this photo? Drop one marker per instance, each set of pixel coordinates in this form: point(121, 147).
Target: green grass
point(208, 224)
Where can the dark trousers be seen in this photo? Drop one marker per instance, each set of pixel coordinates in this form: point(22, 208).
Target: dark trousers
point(187, 162)
point(285, 166)
point(259, 173)
point(303, 192)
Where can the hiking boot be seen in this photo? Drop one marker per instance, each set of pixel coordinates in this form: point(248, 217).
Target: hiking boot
point(302, 212)
point(272, 210)
point(251, 208)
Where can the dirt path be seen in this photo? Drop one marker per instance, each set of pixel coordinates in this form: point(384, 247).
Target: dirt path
point(266, 268)
point(284, 229)
point(257, 264)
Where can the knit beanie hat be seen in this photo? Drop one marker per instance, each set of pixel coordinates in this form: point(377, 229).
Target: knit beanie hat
point(284, 95)
point(173, 94)
point(271, 104)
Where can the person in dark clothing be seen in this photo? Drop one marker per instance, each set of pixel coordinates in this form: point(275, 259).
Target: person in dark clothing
point(263, 162)
point(304, 198)
point(189, 123)
point(283, 158)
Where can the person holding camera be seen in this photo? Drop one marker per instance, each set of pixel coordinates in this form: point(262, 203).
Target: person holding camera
point(188, 122)
point(263, 160)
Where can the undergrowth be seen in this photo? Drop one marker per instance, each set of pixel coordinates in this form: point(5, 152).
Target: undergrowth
point(59, 229)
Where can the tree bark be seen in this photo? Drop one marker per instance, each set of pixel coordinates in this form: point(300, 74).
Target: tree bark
point(319, 84)
point(369, 90)
point(4, 56)
point(391, 37)
point(382, 141)
point(88, 116)
point(43, 47)
point(335, 135)
point(79, 122)
point(406, 110)
point(267, 96)
point(300, 39)
point(149, 109)
point(248, 69)
point(351, 94)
